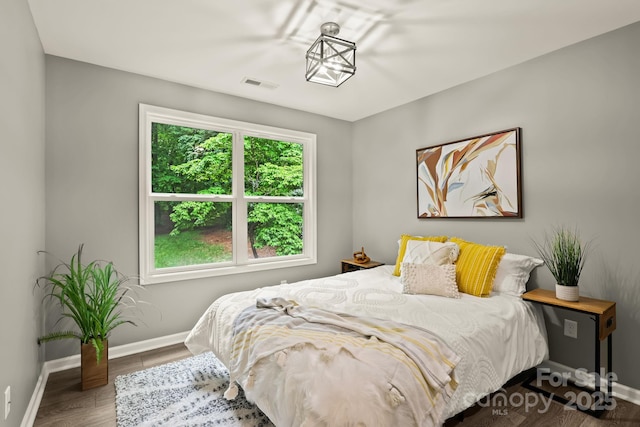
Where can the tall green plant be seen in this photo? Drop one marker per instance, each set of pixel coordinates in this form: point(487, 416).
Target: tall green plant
point(564, 255)
point(95, 296)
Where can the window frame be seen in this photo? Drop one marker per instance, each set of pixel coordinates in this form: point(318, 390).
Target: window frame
point(241, 263)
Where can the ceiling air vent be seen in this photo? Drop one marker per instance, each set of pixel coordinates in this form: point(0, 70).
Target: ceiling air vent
point(259, 83)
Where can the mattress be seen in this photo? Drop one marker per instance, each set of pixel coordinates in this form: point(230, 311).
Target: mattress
point(495, 337)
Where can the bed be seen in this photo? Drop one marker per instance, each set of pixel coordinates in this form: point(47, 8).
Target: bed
point(479, 342)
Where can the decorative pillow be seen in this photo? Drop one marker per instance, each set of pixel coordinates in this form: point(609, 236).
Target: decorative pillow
point(403, 245)
point(513, 273)
point(429, 279)
point(428, 252)
point(476, 267)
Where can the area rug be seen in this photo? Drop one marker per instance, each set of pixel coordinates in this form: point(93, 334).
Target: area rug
point(188, 392)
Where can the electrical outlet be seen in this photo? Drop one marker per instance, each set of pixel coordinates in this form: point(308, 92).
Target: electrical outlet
point(571, 328)
point(7, 402)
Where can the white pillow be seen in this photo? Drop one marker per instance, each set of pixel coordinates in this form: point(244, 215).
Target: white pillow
point(428, 279)
point(428, 252)
point(513, 274)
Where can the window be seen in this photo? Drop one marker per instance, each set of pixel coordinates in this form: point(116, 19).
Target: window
point(221, 197)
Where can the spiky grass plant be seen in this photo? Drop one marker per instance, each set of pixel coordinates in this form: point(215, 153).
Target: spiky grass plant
point(95, 296)
point(564, 255)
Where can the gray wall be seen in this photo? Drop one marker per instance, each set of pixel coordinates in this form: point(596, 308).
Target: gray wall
point(92, 184)
point(579, 110)
point(23, 199)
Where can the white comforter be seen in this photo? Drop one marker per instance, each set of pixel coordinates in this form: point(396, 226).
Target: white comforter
point(496, 337)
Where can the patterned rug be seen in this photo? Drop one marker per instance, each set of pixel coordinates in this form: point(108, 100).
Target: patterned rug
point(188, 392)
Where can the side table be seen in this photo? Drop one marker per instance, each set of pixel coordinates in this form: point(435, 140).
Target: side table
point(604, 314)
point(350, 265)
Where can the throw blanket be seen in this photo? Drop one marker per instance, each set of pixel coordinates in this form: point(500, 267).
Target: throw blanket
point(415, 366)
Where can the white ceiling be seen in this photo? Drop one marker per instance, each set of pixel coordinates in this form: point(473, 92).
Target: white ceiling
point(406, 49)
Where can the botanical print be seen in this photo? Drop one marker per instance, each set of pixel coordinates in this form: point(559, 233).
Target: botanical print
point(477, 177)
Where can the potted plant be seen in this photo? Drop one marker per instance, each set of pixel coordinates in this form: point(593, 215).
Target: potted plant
point(95, 296)
point(564, 255)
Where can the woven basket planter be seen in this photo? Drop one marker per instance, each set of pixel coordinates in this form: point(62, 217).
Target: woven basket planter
point(567, 293)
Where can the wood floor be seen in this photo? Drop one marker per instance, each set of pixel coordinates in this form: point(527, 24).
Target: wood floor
point(64, 404)
point(544, 414)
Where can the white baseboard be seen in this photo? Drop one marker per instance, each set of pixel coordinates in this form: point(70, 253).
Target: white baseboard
point(622, 391)
point(74, 361)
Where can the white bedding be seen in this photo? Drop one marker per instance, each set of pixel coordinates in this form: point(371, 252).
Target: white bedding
point(496, 337)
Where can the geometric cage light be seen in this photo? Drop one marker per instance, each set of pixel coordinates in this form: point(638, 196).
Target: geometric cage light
point(330, 60)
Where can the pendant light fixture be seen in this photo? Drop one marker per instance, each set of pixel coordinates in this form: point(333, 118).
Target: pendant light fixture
point(330, 60)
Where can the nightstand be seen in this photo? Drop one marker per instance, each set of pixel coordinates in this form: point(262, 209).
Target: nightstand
point(350, 265)
point(604, 314)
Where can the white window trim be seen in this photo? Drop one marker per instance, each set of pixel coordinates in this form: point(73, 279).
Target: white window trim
point(241, 263)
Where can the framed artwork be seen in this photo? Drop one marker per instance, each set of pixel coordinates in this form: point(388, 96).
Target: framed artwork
point(477, 177)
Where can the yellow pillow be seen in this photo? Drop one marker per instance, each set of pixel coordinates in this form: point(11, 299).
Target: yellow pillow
point(403, 247)
point(476, 267)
